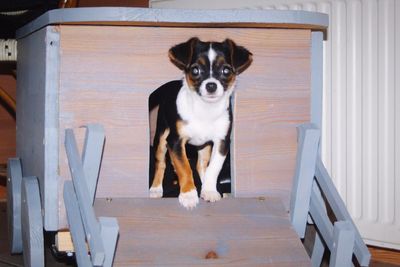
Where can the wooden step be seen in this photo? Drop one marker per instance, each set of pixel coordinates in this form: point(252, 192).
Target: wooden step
point(233, 231)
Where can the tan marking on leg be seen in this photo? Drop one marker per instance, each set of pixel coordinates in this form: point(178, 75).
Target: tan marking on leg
point(203, 159)
point(182, 169)
point(180, 124)
point(160, 159)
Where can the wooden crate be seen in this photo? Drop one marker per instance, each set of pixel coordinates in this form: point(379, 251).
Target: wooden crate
point(80, 67)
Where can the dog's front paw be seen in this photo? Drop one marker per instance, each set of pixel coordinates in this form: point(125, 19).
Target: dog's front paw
point(189, 199)
point(210, 195)
point(156, 192)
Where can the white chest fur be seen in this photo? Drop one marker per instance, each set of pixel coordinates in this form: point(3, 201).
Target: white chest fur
point(203, 121)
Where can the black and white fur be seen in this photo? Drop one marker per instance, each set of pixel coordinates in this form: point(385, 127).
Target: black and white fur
point(197, 110)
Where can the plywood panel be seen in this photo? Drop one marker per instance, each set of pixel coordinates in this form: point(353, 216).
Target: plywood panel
point(107, 74)
point(242, 232)
point(269, 105)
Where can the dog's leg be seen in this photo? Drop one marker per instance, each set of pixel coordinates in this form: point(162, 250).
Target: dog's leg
point(188, 193)
point(156, 189)
point(203, 159)
point(209, 186)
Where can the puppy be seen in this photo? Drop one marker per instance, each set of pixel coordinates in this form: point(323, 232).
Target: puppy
point(197, 110)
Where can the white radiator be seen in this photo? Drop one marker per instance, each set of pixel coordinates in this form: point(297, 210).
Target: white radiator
point(361, 116)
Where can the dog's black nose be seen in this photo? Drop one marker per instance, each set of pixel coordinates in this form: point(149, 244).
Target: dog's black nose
point(211, 87)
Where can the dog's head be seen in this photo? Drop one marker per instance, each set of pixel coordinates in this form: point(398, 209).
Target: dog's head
point(210, 68)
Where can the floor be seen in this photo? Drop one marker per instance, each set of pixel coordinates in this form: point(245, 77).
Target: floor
point(381, 258)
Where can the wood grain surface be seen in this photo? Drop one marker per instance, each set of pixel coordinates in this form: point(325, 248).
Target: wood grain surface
point(382, 255)
point(107, 74)
point(240, 232)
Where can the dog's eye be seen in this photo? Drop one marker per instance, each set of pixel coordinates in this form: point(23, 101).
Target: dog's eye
point(195, 71)
point(226, 71)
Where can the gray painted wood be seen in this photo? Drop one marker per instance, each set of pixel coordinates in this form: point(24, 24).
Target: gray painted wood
point(321, 220)
point(343, 244)
point(32, 225)
point(37, 115)
point(90, 223)
point(316, 78)
point(91, 156)
point(14, 179)
point(338, 207)
point(333, 239)
point(75, 225)
point(319, 246)
point(109, 235)
point(88, 172)
point(318, 251)
point(156, 17)
point(49, 183)
point(307, 151)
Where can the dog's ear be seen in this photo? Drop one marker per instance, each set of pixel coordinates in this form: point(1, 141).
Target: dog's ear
point(241, 57)
point(181, 54)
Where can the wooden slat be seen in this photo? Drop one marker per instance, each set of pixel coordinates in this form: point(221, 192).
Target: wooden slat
point(343, 240)
point(37, 116)
point(31, 223)
point(76, 226)
point(239, 231)
point(308, 139)
point(90, 223)
point(91, 156)
point(340, 211)
point(14, 181)
point(182, 18)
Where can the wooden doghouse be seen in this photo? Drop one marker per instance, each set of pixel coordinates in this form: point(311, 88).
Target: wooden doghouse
point(80, 66)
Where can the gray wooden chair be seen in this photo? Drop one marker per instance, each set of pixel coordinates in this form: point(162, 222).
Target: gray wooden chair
point(312, 191)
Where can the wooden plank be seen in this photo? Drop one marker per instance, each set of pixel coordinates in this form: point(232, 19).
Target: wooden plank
point(316, 78)
point(340, 210)
point(31, 222)
point(91, 156)
point(76, 226)
point(109, 236)
point(308, 139)
point(321, 219)
point(169, 207)
point(14, 181)
point(239, 231)
point(37, 116)
point(64, 241)
point(90, 223)
point(343, 244)
point(182, 18)
point(318, 251)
